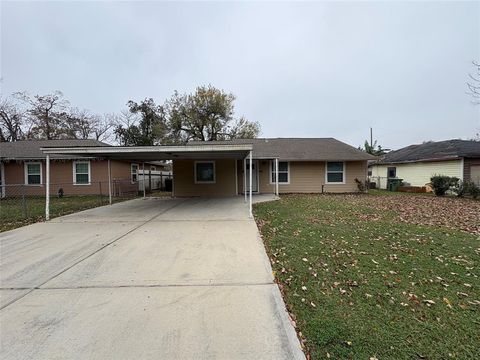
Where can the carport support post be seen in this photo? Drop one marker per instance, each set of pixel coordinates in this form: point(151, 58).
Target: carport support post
point(250, 175)
point(109, 169)
point(276, 176)
point(47, 188)
point(143, 171)
point(245, 178)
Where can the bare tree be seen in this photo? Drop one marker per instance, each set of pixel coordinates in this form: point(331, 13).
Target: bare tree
point(473, 84)
point(77, 123)
point(12, 119)
point(103, 126)
point(45, 114)
point(81, 124)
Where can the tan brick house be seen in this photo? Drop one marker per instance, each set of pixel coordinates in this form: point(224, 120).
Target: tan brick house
point(248, 166)
point(22, 170)
point(222, 168)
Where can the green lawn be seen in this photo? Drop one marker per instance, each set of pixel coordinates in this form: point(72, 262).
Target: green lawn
point(14, 212)
point(378, 276)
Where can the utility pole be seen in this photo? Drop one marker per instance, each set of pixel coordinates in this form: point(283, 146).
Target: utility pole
point(371, 137)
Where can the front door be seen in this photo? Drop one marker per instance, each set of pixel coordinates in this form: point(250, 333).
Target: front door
point(254, 176)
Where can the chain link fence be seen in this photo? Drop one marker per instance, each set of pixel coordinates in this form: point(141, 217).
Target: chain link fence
point(23, 204)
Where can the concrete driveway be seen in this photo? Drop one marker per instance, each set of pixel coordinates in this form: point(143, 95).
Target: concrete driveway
point(144, 279)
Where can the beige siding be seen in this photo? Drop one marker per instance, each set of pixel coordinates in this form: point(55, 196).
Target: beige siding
point(307, 177)
point(184, 182)
point(419, 174)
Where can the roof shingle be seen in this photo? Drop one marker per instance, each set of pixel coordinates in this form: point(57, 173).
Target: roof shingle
point(439, 150)
point(30, 149)
point(300, 149)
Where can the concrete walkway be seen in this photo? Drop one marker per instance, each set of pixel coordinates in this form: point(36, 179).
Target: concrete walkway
point(144, 279)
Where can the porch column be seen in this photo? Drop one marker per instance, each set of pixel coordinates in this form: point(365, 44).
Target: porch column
point(245, 178)
point(109, 169)
point(250, 175)
point(143, 174)
point(276, 176)
point(47, 188)
point(236, 176)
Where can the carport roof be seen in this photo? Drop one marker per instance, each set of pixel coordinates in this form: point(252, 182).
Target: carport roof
point(150, 153)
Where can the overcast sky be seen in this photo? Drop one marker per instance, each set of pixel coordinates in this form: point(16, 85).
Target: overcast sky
point(325, 69)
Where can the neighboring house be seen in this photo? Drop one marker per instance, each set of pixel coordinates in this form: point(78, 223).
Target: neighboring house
point(416, 164)
point(306, 165)
point(22, 170)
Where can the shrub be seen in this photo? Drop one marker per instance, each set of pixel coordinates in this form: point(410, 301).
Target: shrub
point(441, 184)
point(361, 185)
point(467, 188)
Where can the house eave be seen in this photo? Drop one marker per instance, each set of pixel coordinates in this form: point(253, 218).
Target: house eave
point(450, 158)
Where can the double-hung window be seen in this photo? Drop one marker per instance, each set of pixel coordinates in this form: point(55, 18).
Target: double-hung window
point(335, 172)
point(134, 173)
point(33, 173)
point(283, 172)
point(81, 172)
point(204, 172)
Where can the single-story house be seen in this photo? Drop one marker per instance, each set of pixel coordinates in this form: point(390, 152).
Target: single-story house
point(22, 169)
point(305, 165)
point(248, 166)
point(416, 164)
point(221, 168)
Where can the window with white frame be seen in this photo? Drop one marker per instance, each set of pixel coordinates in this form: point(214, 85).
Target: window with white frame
point(283, 172)
point(204, 172)
point(33, 173)
point(134, 172)
point(81, 172)
point(335, 172)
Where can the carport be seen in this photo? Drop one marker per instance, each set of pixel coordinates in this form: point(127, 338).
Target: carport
point(144, 154)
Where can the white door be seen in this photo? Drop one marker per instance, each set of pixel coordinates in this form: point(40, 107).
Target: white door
point(254, 176)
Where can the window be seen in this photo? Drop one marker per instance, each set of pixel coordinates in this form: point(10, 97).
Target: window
point(134, 173)
point(392, 172)
point(204, 172)
point(283, 172)
point(33, 173)
point(81, 172)
point(335, 172)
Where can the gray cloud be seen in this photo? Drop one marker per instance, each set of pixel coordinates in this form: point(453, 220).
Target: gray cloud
point(300, 69)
